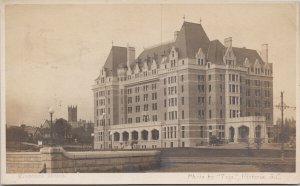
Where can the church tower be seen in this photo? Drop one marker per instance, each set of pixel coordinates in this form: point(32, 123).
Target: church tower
point(72, 113)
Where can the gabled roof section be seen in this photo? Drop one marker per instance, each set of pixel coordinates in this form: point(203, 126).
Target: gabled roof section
point(215, 52)
point(45, 125)
point(190, 38)
point(243, 53)
point(117, 56)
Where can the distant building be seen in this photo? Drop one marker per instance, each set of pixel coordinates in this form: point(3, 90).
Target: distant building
point(72, 113)
point(72, 116)
point(182, 93)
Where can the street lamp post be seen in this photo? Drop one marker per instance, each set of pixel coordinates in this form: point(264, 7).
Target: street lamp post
point(51, 111)
point(92, 135)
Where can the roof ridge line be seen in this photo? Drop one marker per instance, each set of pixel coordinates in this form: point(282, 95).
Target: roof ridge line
point(156, 45)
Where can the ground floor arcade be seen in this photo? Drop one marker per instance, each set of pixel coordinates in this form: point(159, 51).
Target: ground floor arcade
point(151, 135)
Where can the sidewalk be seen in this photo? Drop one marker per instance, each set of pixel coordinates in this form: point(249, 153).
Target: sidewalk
point(274, 146)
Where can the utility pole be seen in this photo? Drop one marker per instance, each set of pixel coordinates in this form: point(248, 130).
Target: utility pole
point(282, 140)
point(282, 106)
point(281, 96)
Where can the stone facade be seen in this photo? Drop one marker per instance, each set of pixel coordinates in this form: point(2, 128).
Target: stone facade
point(181, 93)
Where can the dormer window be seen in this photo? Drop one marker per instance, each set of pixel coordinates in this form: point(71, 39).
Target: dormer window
point(201, 61)
point(173, 54)
point(229, 57)
point(208, 65)
point(200, 57)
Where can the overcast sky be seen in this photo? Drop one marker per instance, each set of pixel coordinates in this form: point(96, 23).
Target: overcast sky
point(54, 52)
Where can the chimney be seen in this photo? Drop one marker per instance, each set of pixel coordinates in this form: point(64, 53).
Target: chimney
point(130, 55)
point(264, 52)
point(228, 42)
point(176, 33)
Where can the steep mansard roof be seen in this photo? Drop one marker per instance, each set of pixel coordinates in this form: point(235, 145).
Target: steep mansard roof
point(243, 53)
point(156, 53)
point(215, 52)
point(116, 57)
point(191, 37)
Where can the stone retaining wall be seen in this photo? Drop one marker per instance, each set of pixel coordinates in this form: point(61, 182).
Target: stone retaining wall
point(23, 162)
point(57, 160)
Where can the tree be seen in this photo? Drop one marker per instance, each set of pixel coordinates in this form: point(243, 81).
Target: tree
point(213, 140)
point(82, 135)
point(61, 129)
point(16, 134)
point(283, 134)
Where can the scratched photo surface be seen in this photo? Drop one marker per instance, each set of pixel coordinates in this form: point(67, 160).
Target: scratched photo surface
point(150, 88)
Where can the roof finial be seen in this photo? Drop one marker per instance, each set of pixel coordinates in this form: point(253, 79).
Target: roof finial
point(183, 18)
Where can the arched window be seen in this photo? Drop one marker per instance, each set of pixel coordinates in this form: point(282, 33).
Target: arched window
point(144, 135)
point(116, 136)
point(135, 135)
point(125, 136)
point(155, 134)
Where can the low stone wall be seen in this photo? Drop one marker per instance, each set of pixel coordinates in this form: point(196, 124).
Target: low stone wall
point(57, 160)
point(23, 162)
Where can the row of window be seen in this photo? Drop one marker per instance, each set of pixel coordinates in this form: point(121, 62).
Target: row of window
point(101, 122)
point(137, 89)
point(169, 132)
point(233, 77)
point(233, 100)
point(172, 115)
point(137, 98)
point(172, 90)
point(138, 75)
point(101, 111)
point(145, 118)
point(102, 93)
point(101, 102)
point(257, 92)
point(266, 84)
point(146, 108)
point(234, 113)
point(233, 88)
point(171, 79)
point(261, 71)
point(259, 104)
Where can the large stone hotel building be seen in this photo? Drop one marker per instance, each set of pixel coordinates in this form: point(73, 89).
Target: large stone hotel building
point(181, 93)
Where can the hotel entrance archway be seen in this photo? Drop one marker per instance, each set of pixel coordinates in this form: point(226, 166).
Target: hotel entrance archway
point(243, 134)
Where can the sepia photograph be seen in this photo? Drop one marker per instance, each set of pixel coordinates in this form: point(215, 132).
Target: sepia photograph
point(150, 92)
